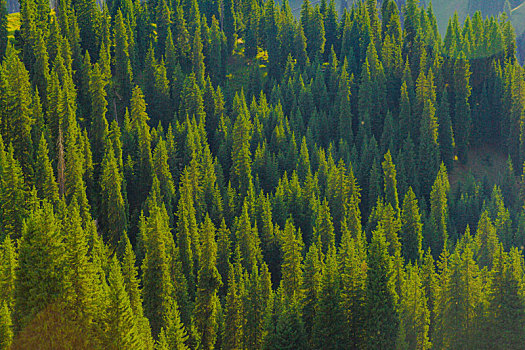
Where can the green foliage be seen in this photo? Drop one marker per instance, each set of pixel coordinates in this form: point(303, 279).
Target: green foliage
point(122, 332)
point(6, 333)
point(246, 238)
point(382, 322)
point(41, 261)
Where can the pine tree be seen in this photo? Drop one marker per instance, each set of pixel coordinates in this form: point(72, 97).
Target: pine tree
point(8, 272)
point(82, 290)
point(99, 123)
point(289, 330)
point(328, 324)
point(163, 174)
point(131, 283)
point(3, 28)
point(41, 261)
point(411, 228)
point(113, 216)
point(241, 174)
point(163, 21)
point(198, 58)
point(352, 256)
point(428, 148)
point(232, 337)
point(122, 332)
point(462, 119)
point(74, 182)
point(187, 235)
point(247, 239)
point(390, 182)
point(255, 305)
point(123, 75)
point(291, 266)
point(324, 229)
point(45, 179)
point(143, 160)
point(381, 299)
point(88, 22)
point(18, 121)
point(6, 333)
point(315, 35)
point(208, 284)
point(439, 212)
point(14, 193)
point(446, 134)
point(463, 293)
point(506, 309)
point(413, 313)
point(174, 333)
point(156, 277)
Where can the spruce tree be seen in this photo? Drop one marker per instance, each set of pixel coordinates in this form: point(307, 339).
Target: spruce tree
point(14, 193)
point(428, 159)
point(208, 284)
point(6, 332)
point(353, 262)
point(45, 178)
point(156, 277)
point(438, 232)
point(3, 28)
point(324, 229)
point(462, 121)
point(81, 289)
point(328, 324)
point(122, 332)
point(131, 283)
point(40, 271)
point(506, 310)
point(311, 286)
point(123, 75)
point(291, 266)
point(113, 215)
point(446, 134)
point(413, 313)
point(381, 300)
point(411, 228)
point(8, 266)
point(18, 121)
point(390, 182)
point(99, 123)
point(174, 333)
point(232, 337)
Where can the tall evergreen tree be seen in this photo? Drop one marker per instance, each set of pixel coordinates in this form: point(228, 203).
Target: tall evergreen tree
point(122, 332)
point(328, 326)
point(462, 120)
point(41, 264)
point(123, 75)
point(411, 228)
point(3, 28)
point(438, 233)
point(209, 281)
point(381, 299)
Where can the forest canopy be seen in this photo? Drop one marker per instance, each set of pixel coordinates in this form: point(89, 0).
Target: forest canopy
point(203, 174)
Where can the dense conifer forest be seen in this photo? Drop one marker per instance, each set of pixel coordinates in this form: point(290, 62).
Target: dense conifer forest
point(204, 174)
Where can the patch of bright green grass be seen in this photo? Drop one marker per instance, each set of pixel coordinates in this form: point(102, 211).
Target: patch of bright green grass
point(13, 23)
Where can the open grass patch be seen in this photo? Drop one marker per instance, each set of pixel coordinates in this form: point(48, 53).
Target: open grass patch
point(13, 24)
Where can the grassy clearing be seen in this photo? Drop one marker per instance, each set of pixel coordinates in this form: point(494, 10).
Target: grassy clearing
point(239, 67)
point(517, 17)
point(13, 23)
point(486, 161)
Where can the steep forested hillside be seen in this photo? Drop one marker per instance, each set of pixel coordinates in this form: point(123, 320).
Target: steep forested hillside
point(201, 174)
